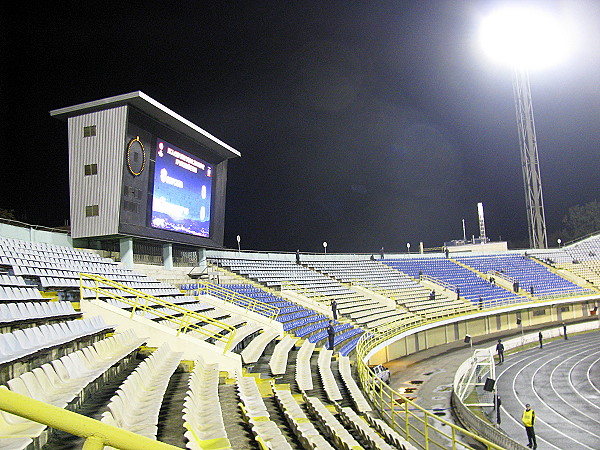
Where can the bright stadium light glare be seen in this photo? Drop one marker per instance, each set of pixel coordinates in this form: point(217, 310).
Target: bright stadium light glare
point(525, 37)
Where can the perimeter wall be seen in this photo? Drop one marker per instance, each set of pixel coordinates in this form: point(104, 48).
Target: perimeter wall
point(481, 325)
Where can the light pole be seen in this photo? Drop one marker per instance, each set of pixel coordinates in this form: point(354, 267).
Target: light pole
point(526, 39)
point(238, 238)
point(559, 241)
point(408, 247)
point(325, 247)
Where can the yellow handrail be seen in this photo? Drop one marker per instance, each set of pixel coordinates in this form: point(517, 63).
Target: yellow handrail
point(96, 433)
point(406, 417)
point(248, 303)
point(184, 318)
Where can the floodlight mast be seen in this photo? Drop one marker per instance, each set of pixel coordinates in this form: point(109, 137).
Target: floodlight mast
point(526, 38)
point(530, 163)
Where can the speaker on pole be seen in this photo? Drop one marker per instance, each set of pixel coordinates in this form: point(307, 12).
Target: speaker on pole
point(467, 339)
point(518, 321)
point(489, 384)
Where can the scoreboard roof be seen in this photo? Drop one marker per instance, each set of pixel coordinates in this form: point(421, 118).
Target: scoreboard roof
point(155, 110)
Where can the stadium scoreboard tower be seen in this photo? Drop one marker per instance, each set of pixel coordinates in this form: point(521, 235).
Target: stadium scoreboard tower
point(138, 170)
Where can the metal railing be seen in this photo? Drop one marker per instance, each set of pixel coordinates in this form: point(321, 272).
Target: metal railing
point(185, 319)
point(502, 275)
point(419, 426)
point(389, 293)
point(467, 402)
point(565, 294)
point(243, 301)
point(97, 434)
point(307, 292)
point(439, 282)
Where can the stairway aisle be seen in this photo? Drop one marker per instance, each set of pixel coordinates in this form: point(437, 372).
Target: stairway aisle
point(170, 424)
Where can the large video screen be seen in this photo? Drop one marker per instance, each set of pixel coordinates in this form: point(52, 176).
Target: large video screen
point(181, 198)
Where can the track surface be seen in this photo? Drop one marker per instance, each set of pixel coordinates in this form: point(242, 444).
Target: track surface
point(561, 381)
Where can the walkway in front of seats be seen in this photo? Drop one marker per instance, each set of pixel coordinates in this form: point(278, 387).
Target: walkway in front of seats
point(429, 375)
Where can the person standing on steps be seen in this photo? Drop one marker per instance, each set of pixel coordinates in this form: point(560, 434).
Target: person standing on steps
point(331, 335)
point(528, 420)
point(334, 309)
point(298, 256)
point(500, 350)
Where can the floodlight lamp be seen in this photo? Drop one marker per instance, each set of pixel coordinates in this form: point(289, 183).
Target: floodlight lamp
point(525, 37)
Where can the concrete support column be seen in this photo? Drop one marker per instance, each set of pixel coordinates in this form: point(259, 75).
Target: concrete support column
point(202, 260)
point(126, 249)
point(167, 253)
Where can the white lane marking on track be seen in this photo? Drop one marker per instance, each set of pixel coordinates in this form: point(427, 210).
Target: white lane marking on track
point(577, 391)
point(552, 410)
point(590, 379)
point(518, 422)
point(517, 398)
point(538, 419)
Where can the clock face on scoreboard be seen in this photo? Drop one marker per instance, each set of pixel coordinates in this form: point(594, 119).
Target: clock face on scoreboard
point(136, 156)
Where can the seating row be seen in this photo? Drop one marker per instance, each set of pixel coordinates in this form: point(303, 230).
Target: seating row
point(12, 312)
point(12, 280)
point(202, 409)
point(389, 433)
point(303, 372)
point(18, 293)
point(356, 393)
point(258, 416)
point(335, 430)
point(26, 342)
point(43, 247)
point(353, 421)
point(61, 381)
point(522, 269)
point(136, 405)
point(256, 347)
point(303, 428)
point(279, 358)
point(327, 379)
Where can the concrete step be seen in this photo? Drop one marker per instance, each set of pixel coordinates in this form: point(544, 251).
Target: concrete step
point(170, 424)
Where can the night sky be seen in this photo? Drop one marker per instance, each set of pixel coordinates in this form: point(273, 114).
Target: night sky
point(360, 123)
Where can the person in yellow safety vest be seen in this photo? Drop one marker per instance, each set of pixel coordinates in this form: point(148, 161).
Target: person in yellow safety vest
point(528, 420)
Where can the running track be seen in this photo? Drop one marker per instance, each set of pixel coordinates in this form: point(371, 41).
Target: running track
point(562, 383)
